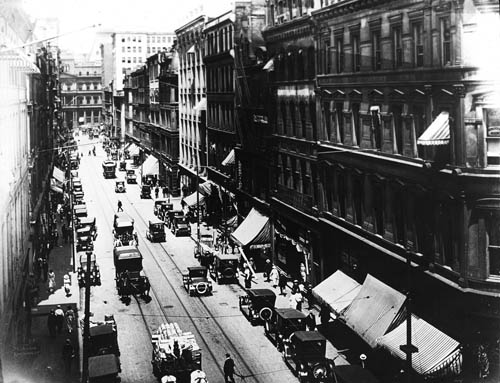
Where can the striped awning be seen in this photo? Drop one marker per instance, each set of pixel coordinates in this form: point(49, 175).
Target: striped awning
point(192, 199)
point(374, 310)
point(436, 350)
point(58, 174)
point(229, 160)
point(254, 230)
point(269, 67)
point(337, 291)
point(438, 133)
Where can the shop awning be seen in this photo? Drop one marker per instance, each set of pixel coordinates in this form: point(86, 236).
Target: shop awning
point(254, 230)
point(232, 222)
point(58, 174)
point(150, 166)
point(229, 160)
point(206, 188)
point(54, 186)
point(201, 105)
point(192, 199)
point(438, 133)
point(133, 149)
point(269, 67)
point(374, 310)
point(437, 352)
point(337, 291)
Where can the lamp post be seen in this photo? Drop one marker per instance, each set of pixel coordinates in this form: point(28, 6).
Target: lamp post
point(86, 321)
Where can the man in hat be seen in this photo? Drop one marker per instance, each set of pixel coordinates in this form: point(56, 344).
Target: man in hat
point(68, 353)
point(228, 369)
point(267, 270)
point(59, 319)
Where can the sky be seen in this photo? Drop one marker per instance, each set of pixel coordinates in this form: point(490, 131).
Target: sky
point(146, 15)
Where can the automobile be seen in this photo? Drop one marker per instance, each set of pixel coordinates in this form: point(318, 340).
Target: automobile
point(74, 173)
point(120, 187)
point(89, 222)
point(131, 177)
point(79, 211)
point(123, 166)
point(257, 305)
point(145, 191)
point(204, 252)
point(163, 209)
point(159, 203)
point(282, 323)
point(124, 231)
point(224, 267)
point(84, 240)
point(104, 369)
point(129, 277)
point(74, 163)
point(195, 281)
point(78, 197)
point(304, 353)
point(181, 226)
point(156, 231)
point(95, 275)
point(149, 179)
point(77, 186)
point(103, 337)
point(171, 215)
point(109, 169)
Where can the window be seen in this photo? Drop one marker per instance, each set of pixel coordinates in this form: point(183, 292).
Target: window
point(123, 49)
point(397, 47)
point(356, 53)
point(164, 39)
point(418, 45)
point(303, 122)
point(339, 50)
point(445, 41)
point(128, 49)
point(493, 233)
point(376, 126)
point(378, 208)
point(139, 49)
point(292, 119)
point(327, 123)
point(123, 40)
point(123, 59)
point(376, 50)
point(283, 118)
point(149, 50)
point(327, 62)
point(397, 111)
point(356, 121)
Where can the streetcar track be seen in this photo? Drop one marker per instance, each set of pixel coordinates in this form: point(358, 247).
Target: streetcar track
point(181, 301)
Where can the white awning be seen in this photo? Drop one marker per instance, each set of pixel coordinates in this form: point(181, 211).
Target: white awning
point(337, 291)
point(438, 133)
point(374, 309)
point(437, 352)
point(133, 150)
point(229, 160)
point(254, 230)
point(269, 67)
point(58, 174)
point(54, 186)
point(150, 166)
point(192, 199)
point(201, 105)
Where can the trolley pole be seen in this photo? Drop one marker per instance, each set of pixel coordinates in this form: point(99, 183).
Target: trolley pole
point(86, 321)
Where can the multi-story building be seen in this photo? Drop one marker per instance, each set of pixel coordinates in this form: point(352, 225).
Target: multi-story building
point(192, 104)
point(290, 40)
point(408, 154)
point(81, 90)
point(27, 117)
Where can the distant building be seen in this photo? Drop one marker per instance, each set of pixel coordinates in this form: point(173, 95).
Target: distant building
point(81, 91)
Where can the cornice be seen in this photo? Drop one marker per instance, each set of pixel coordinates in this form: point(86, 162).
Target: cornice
point(345, 8)
point(292, 29)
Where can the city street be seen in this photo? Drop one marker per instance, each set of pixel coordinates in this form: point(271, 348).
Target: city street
point(215, 320)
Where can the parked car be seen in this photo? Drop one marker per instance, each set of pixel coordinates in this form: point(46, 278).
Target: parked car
point(195, 281)
point(131, 177)
point(159, 203)
point(95, 274)
point(123, 166)
point(149, 179)
point(145, 191)
point(120, 187)
point(156, 231)
point(257, 305)
point(163, 209)
point(171, 215)
point(78, 197)
point(89, 222)
point(77, 185)
point(224, 267)
point(84, 240)
point(282, 323)
point(181, 226)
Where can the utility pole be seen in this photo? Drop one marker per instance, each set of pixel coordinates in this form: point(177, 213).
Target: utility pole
point(86, 321)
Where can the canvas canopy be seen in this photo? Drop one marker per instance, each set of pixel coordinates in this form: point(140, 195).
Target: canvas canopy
point(255, 229)
point(337, 291)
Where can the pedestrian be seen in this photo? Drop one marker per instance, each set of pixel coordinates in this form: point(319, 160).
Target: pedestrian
point(45, 269)
point(311, 321)
point(120, 205)
point(282, 283)
point(298, 300)
point(68, 353)
point(59, 319)
point(295, 286)
point(39, 268)
point(307, 294)
point(229, 369)
point(51, 323)
point(324, 315)
point(251, 262)
point(248, 276)
point(157, 190)
point(55, 237)
point(52, 281)
point(164, 191)
point(303, 274)
point(70, 319)
point(267, 270)
point(274, 276)
point(67, 284)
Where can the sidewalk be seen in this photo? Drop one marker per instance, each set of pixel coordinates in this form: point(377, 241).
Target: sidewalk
point(47, 365)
